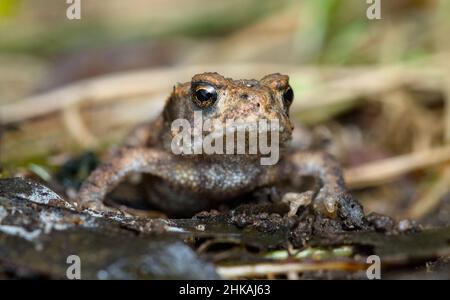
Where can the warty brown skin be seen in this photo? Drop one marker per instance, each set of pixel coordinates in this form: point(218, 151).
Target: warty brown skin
point(184, 184)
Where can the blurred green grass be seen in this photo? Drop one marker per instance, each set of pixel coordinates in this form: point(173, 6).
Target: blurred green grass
point(63, 35)
point(329, 31)
point(8, 8)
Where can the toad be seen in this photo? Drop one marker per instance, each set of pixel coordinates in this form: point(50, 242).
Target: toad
point(185, 182)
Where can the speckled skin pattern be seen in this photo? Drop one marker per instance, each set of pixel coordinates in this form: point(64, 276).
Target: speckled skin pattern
point(184, 184)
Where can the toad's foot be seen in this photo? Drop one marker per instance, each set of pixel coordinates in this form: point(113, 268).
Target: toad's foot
point(332, 200)
point(341, 205)
point(94, 205)
point(297, 200)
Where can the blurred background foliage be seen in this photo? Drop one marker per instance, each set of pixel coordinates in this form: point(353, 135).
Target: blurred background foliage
point(40, 50)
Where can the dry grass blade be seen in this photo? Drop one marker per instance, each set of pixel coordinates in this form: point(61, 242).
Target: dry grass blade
point(118, 86)
point(336, 85)
point(428, 202)
point(447, 112)
point(266, 269)
point(77, 128)
point(383, 171)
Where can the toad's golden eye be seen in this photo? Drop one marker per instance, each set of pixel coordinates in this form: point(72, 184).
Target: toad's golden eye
point(288, 96)
point(204, 95)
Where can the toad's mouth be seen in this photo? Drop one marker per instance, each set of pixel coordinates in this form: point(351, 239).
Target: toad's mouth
point(247, 135)
point(261, 137)
point(243, 139)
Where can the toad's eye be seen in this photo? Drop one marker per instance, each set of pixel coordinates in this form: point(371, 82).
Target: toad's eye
point(288, 96)
point(204, 95)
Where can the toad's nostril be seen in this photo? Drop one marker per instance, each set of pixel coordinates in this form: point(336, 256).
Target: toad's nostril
point(244, 96)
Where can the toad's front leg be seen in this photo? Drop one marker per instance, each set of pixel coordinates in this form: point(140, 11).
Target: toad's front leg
point(332, 197)
point(124, 162)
